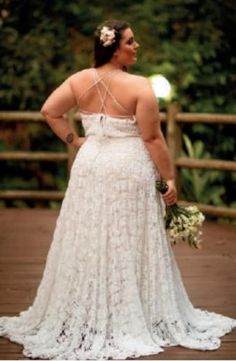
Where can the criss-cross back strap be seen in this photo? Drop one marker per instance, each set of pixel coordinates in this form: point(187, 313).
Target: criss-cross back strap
point(106, 90)
point(96, 80)
point(100, 79)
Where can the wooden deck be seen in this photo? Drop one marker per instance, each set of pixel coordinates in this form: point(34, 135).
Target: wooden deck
point(209, 275)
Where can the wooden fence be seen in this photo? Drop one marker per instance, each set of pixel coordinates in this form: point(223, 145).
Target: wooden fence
point(174, 120)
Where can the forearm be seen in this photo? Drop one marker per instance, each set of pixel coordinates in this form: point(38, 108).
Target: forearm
point(63, 130)
point(160, 156)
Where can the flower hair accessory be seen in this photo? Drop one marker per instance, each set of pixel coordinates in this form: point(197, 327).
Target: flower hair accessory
point(107, 36)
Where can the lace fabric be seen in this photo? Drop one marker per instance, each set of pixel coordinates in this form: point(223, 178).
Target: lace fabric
point(111, 287)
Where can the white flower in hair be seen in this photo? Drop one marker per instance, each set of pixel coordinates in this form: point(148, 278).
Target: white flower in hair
point(107, 36)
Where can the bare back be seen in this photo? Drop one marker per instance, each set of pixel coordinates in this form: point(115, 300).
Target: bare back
point(111, 92)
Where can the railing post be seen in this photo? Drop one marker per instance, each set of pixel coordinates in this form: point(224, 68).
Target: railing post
point(174, 139)
point(70, 148)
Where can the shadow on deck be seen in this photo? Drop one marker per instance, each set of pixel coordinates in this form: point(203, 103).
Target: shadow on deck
point(209, 275)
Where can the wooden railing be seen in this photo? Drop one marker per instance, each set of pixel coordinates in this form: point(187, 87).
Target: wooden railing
point(173, 119)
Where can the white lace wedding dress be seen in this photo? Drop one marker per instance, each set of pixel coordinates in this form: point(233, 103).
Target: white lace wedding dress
point(111, 287)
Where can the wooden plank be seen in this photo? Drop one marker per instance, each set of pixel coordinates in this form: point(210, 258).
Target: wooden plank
point(25, 237)
point(223, 165)
point(21, 116)
point(35, 156)
point(206, 118)
point(174, 139)
point(212, 210)
point(40, 195)
point(35, 116)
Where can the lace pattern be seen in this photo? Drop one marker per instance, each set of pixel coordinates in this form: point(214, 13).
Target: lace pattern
point(111, 287)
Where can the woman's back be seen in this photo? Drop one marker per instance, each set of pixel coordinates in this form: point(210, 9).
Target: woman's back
point(112, 92)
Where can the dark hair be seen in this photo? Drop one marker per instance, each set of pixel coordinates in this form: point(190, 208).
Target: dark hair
point(102, 54)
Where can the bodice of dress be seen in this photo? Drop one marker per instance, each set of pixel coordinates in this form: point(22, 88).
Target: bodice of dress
point(103, 126)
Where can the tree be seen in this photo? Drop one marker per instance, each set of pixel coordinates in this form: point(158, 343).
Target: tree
point(189, 41)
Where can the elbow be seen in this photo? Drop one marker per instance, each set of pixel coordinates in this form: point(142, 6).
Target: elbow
point(155, 143)
point(151, 140)
point(154, 139)
point(47, 115)
point(44, 112)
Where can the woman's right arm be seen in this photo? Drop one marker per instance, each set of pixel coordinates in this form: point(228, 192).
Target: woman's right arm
point(54, 108)
point(148, 119)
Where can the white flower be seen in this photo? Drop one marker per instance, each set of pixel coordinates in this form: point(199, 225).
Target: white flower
point(107, 36)
point(182, 223)
point(185, 224)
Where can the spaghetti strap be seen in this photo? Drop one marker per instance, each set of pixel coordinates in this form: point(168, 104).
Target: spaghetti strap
point(107, 92)
point(96, 80)
point(102, 97)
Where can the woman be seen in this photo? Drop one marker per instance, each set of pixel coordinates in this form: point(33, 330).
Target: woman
point(111, 287)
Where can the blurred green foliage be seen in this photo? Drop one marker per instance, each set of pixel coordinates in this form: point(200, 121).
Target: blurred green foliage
point(199, 185)
point(191, 42)
point(205, 186)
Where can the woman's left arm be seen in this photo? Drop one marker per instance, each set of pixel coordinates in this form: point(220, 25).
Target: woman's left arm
point(57, 104)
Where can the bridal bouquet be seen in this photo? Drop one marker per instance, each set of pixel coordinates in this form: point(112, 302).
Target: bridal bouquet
point(182, 223)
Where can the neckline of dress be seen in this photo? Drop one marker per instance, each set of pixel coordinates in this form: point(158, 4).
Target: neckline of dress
point(119, 118)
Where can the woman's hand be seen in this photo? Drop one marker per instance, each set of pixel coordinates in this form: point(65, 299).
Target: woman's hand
point(170, 197)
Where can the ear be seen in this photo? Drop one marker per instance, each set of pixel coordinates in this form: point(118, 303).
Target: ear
point(116, 52)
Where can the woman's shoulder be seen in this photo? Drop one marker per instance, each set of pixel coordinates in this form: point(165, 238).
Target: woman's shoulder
point(80, 74)
point(138, 80)
point(138, 83)
point(126, 76)
point(125, 79)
